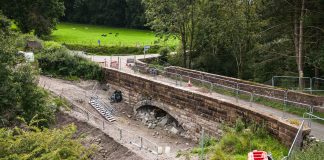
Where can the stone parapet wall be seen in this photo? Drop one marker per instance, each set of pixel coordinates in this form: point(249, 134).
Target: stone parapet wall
point(195, 110)
point(252, 87)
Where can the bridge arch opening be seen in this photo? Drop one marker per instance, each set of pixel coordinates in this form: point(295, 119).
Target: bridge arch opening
point(156, 118)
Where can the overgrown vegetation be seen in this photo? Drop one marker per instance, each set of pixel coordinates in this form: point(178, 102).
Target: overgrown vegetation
point(36, 143)
point(26, 110)
point(19, 93)
point(238, 141)
point(58, 61)
point(313, 151)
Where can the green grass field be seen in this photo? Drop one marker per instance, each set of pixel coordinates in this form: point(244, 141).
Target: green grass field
point(72, 33)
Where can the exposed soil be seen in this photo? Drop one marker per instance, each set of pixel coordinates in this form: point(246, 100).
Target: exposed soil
point(79, 93)
point(107, 147)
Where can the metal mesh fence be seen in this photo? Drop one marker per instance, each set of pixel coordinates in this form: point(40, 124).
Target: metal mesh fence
point(118, 134)
point(290, 82)
point(295, 146)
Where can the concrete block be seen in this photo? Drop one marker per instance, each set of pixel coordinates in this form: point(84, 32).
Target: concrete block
point(167, 150)
point(160, 150)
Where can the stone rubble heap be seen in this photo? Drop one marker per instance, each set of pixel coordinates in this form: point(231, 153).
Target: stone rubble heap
point(155, 118)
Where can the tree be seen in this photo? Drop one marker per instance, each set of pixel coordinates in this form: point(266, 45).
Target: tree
point(39, 16)
point(173, 18)
point(19, 93)
point(300, 28)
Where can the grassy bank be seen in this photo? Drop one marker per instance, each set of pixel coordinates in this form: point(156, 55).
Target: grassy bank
point(81, 34)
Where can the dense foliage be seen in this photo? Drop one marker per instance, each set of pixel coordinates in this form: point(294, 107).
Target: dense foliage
point(4, 23)
point(253, 40)
point(121, 13)
point(26, 110)
point(39, 16)
point(19, 94)
point(56, 60)
point(42, 144)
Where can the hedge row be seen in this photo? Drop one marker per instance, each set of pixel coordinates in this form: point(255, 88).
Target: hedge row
point(111, 50)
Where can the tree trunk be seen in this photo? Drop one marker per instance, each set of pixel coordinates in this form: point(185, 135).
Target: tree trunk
point(300, 47)
point(316, 85)
point(184, 47)
point(184, 44)
point(191, 34)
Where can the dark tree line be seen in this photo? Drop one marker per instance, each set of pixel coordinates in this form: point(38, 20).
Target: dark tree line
point(120, 13)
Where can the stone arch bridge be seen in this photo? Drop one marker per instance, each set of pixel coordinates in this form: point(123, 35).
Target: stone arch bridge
point(194, 110)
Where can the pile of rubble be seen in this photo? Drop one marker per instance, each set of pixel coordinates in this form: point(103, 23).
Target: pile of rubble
point(155, 118)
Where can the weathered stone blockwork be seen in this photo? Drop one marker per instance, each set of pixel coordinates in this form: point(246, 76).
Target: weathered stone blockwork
point(257, 88)
point(195, 110)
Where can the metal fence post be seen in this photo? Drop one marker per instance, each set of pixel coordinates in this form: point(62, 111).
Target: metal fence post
point(141, 139)
point(110, 61)
point(251, 99)
point(237, 92)
point(272, 81)
point(285, 104)
point(120, 134)
point(202, 145)
point(103, 125)
point(311, 85)
point(211, 88)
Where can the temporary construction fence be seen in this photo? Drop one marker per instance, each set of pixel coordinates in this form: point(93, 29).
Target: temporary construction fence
point(312, 85)
point(298, 140)
point(120, 135)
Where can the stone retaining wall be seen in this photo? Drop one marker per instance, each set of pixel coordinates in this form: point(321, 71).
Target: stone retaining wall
point(195, 110)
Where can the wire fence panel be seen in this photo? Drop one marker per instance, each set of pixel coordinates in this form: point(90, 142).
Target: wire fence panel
point(115, 132)
point(297, 141)
point(290, 82)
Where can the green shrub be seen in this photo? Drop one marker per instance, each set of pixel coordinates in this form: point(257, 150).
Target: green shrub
point(62, 63)
point(42, 144)
point(51, 46)
point(110, 50)
point(164, 52)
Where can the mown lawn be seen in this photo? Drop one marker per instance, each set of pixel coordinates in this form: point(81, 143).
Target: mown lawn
point(71, 33)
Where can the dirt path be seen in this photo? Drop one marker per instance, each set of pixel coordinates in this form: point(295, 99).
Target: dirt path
point(107, 147)
point(79, 93)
